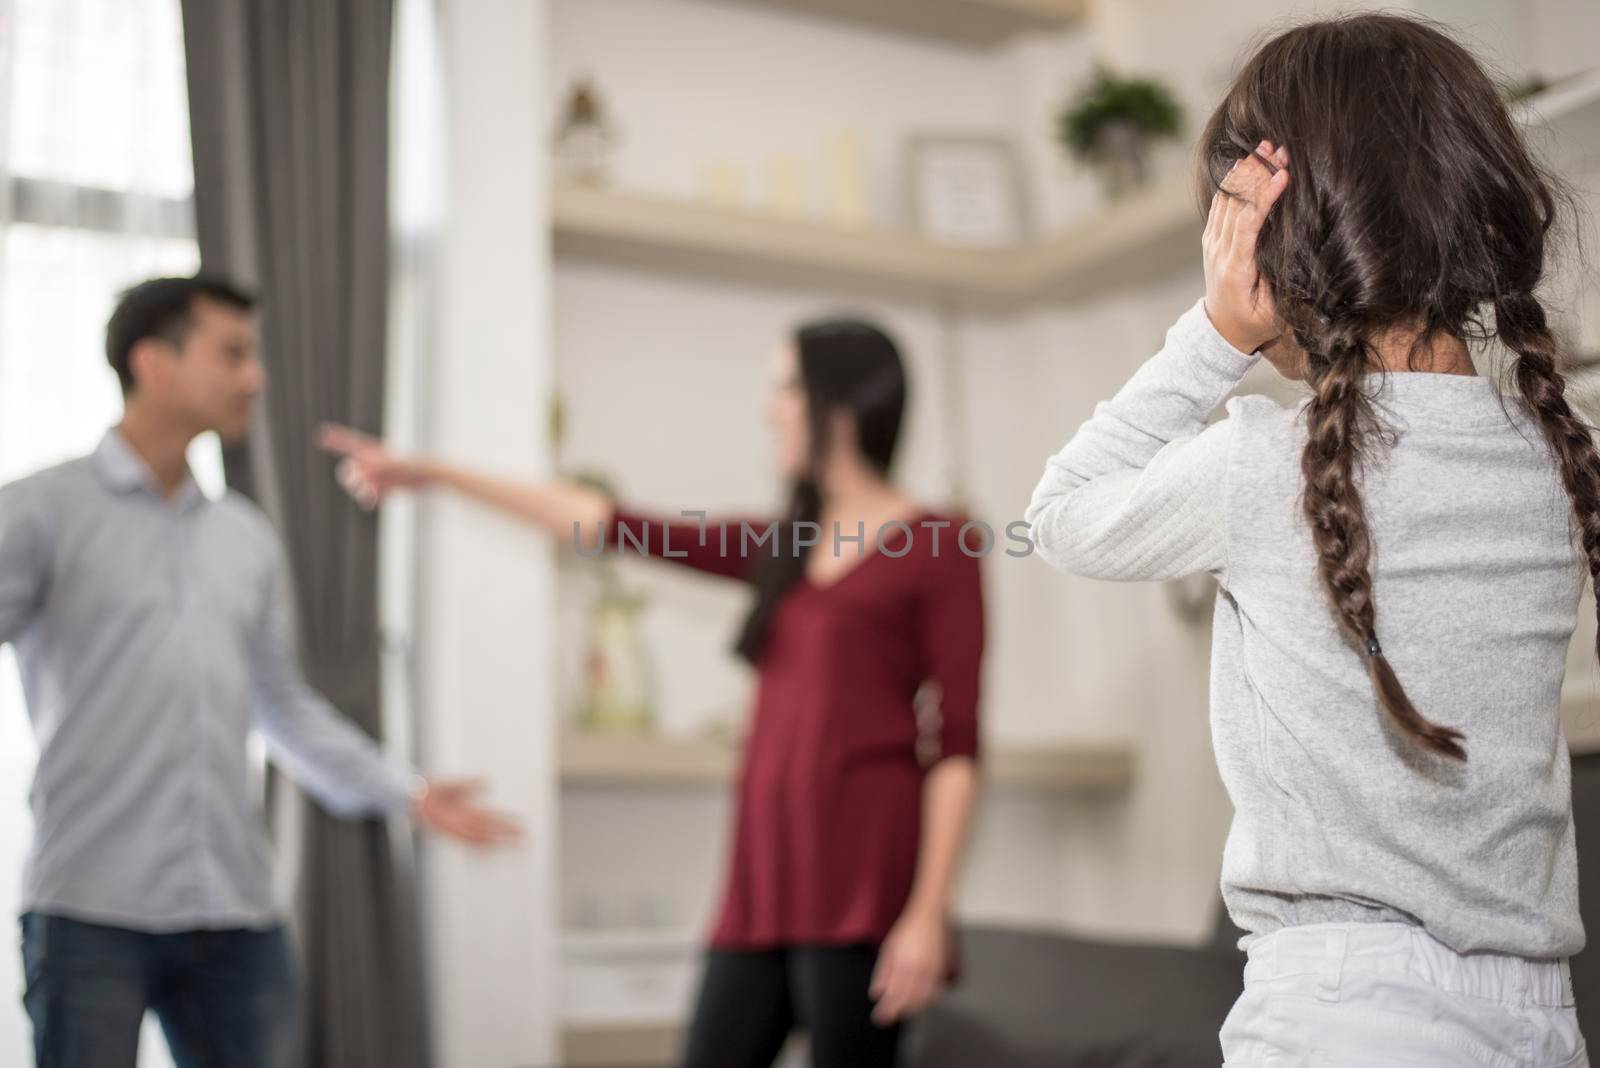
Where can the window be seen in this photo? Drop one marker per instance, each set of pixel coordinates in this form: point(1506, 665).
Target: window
point(95, 193)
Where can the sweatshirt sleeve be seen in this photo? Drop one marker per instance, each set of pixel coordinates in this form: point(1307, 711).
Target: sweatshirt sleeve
point(1137, 493)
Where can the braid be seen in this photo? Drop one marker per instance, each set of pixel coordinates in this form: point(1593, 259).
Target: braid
point(1337, 418)
point(1521, 326)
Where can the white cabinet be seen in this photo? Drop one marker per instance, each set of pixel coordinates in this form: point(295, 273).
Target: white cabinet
point(628, 976)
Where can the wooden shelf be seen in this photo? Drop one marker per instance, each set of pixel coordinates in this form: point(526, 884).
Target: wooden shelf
point(604, 941)
point(613, 1045)
point(685, 235)
point(1563, 122)
point(618, 759)
point(637, 1044)
point(1148, 230)
point(1146, 233)
point(1569, 98)
point(970, 23)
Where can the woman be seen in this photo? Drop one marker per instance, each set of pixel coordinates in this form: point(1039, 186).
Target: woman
point(1372, 211)
point(850, 823)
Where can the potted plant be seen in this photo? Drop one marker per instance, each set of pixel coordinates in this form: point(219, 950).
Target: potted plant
point(1111, 122)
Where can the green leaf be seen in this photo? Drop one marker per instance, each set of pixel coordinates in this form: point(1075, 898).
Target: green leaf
point(1142, 102)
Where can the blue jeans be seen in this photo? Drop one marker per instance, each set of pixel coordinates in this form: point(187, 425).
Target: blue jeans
point(225, 999)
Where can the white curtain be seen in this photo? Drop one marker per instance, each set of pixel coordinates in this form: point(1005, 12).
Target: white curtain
point(95, 185)
point(416, 159)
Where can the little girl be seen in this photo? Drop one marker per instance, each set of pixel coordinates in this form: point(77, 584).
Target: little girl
point(1401, 855)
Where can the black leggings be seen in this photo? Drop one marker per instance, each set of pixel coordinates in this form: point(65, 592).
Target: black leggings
point(751, 999)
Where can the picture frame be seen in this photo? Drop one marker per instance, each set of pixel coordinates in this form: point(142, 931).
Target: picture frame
point(966, 189)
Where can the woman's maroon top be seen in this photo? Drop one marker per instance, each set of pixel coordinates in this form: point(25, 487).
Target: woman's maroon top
point(830, 792)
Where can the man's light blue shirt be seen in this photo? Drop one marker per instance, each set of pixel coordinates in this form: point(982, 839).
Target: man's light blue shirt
point(152, 634)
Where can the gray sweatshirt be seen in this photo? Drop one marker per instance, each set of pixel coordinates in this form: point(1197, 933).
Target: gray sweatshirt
point(1337, 816)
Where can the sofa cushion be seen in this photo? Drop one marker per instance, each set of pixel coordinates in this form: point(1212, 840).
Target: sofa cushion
point(1586, 825)
point(1039, 998)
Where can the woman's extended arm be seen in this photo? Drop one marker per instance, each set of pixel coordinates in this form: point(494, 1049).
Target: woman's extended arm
point(370, 472)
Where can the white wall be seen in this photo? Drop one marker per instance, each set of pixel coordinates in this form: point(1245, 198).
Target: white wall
point(486, 599)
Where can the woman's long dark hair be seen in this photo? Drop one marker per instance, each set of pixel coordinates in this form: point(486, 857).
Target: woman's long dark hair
point(1413, 204)
point(849, 366)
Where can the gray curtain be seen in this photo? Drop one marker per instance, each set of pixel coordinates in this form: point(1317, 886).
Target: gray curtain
point(289, 106)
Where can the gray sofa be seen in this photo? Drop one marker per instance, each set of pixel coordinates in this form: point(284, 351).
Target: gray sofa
point(1037, 999)
point(1041, 999)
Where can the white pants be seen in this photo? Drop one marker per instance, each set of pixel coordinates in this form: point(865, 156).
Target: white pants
point(1361, 995)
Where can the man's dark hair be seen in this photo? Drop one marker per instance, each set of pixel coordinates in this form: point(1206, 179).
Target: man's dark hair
point(163, 308)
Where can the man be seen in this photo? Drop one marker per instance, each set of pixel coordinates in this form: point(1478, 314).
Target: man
point(154, 628)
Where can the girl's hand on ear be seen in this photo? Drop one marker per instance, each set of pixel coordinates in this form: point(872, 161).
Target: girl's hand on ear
point(1240, 307)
